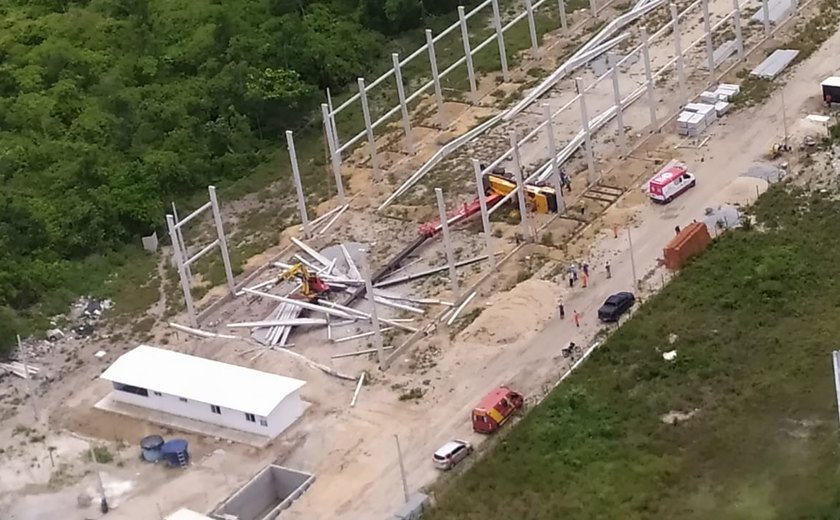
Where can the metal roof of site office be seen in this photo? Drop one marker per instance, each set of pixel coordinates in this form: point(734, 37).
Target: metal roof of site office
point(203, 380)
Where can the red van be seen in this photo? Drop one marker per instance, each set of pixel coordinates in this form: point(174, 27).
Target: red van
point(670, 183)
point(495, 409)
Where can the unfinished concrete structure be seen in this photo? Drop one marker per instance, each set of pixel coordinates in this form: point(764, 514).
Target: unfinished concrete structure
point(266, 495)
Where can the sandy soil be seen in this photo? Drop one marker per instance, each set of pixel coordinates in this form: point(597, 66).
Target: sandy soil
point(516, 340)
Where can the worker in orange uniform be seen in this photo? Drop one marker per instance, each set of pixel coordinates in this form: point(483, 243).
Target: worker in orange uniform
point(584, 278)
point(577, 319)
point(615, 230)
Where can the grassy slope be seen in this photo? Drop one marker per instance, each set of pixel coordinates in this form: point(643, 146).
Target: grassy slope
point(756, 319)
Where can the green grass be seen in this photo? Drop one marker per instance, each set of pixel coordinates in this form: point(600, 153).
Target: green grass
point(756, 318)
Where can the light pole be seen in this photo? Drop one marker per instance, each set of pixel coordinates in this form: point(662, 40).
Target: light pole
point(402, 468)
point(784, 119)
point(632, 257)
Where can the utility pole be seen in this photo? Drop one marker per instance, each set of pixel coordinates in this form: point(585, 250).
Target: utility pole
point(402, 468)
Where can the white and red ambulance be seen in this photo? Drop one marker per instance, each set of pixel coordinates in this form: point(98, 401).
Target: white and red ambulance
point(670, 183)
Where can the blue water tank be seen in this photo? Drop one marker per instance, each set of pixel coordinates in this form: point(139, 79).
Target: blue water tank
point(150, 448)
point(175, 452)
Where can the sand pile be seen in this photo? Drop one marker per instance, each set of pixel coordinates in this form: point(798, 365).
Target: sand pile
point(513, 315)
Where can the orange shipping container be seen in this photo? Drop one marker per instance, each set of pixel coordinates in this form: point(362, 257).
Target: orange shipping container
point(690, 242)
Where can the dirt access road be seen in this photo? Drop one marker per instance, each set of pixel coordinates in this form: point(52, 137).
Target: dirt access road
point(363, 482)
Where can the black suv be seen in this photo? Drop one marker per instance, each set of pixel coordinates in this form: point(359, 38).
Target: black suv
point(615, 306)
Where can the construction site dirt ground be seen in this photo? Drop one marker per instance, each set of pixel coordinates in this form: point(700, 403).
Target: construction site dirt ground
point(515, 340)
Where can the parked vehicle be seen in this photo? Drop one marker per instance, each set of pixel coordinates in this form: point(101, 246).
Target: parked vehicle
point(495, 409)
point(615, 306)
point(451, 453)
point(670, 183)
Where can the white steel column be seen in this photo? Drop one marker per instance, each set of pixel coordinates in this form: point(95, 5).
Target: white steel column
point(710, 46)
point(649, 78)
point(520, 186)
point(465, 36)
point(485, 217)
point(593, 8)
point(678, 51)
point(430, 44)
point(619, 109)
point(179, 264)
point(739, 37)
point(765, 11)
point(301, 199)
point(587, 134)
point(562, 6)
point(447, 243)
point(374, 160)
point(552, 152)
point(220, 230)
point(409, 145)
point(532, 28)
point(335, 158)
point(500, 37)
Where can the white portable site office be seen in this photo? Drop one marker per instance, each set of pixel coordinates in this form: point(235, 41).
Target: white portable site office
point(209, 391)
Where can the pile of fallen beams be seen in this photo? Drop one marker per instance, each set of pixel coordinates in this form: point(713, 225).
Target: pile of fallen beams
point(343, 277)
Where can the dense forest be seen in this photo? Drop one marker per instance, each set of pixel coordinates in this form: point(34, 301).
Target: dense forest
point(111, 108)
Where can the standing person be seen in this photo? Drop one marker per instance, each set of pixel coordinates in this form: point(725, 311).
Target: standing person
point(577, 319)
point(586, 268)
point(677, 229)
point(584, 279)
point(574, 271)
point(571, 280)
point(607, 267)
point(562, 311)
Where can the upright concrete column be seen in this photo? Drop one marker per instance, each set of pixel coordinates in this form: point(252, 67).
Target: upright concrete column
point(485, 216)
point(765, 11)
point(552, 151)
point(739, 37)
point(587, 134)
point(675, 17)
point(223, 246)
point(649, 78)
point(562, 6)
point(465, 36)
point(301, 199)
point(593, 8)
point(520, 187)
point(374, 160)
point(430, 44)
point(335, 155)
point(532, 27)
point(182, 275)
point(500, 38)
point(447, 242)
point(710, 46)
point(409, 145)
point(374, 313)
point(619, 112)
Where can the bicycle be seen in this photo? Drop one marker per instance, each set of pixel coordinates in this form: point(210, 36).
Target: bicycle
point(572, 349)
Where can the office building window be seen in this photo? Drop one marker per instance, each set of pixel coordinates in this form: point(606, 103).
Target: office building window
point(263, 422)
point(215, 409)
point(157, 394)
point(182, 399)
point(250, 417)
